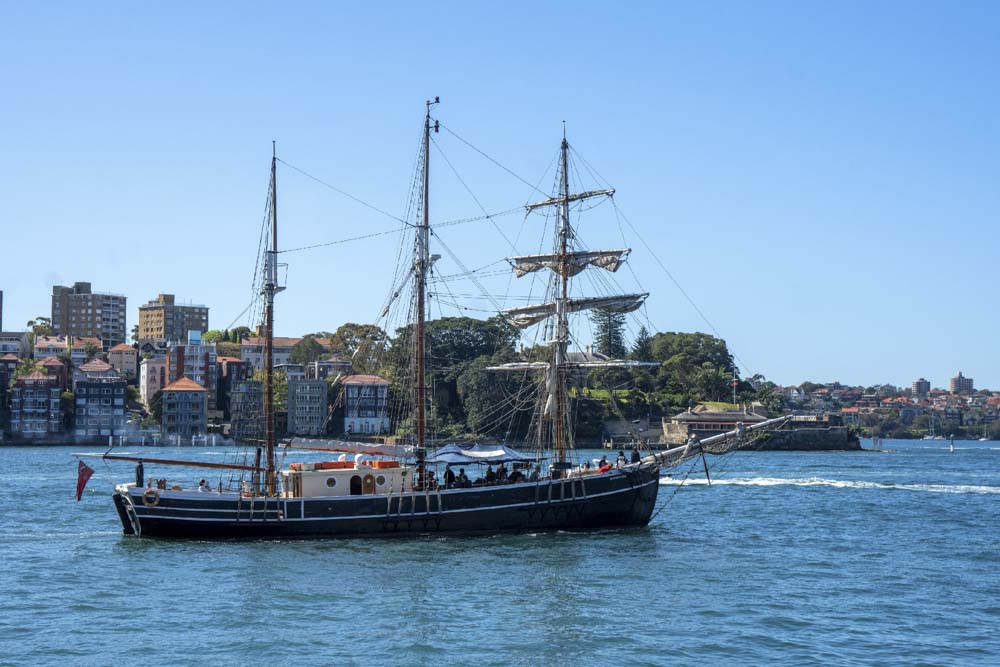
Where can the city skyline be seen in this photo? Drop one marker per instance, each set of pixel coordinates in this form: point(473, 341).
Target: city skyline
point(820, 185)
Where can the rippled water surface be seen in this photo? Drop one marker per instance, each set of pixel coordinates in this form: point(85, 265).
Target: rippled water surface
point(790, 558)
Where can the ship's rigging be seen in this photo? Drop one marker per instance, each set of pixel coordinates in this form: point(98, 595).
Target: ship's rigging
point(434, 293)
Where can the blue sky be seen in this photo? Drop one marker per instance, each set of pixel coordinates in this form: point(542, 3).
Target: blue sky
point(821, 178)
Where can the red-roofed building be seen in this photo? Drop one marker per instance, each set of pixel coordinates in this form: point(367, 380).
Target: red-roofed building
point(851, 415)
point(93, 369)
point(125, 359)
point(50, 346)
point(79, 346)
point(184, 409)
point(55, 367)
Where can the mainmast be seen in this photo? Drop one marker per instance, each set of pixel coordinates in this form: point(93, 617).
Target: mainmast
point(421, 266)
point(269, 290)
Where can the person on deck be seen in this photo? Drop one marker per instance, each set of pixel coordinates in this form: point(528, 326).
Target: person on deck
point(636, 457)
point(139, 473)
point(533, 477)
point(449, 477)
point(463, 479)
point(603, 462)
point(621, 458)
point(502, 474)
point(491, 477)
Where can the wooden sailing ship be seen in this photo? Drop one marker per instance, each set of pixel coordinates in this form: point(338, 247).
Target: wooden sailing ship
point(388, 489)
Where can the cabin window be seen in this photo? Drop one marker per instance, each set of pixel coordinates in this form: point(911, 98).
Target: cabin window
point(356, 485)
point(331, 482)
point(380, 480)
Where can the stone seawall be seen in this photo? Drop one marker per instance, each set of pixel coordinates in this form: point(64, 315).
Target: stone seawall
point(833, 439)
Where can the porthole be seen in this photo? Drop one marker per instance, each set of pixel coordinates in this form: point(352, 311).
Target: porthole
point(380, 480)
point(331, 482)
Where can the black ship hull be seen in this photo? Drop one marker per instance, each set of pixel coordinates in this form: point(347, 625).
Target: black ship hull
point(615, 499)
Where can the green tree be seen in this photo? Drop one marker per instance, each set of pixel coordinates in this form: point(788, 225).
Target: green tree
point(156, 406)
point(228, 350)
point(306, 351)
point(67, 407)
point(40, 326)
point(493, 401)
point(239, 333)
point(609, 332)
point(452, 343)
point(135, 334)
point(24, 367)
point(280, 387)
point(364, 344)
point(91, 350)
point(642, 348)
point(213, 336)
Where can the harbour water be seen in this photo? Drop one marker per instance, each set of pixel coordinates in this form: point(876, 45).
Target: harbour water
point(787, 558)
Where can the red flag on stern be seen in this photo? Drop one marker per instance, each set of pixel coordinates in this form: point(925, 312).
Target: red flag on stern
point(83, 473)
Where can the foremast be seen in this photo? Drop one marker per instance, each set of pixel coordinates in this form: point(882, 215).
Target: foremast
point(421, 266)
point(565, 263)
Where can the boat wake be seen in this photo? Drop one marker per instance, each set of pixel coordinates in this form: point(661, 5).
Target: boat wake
point(835, 483)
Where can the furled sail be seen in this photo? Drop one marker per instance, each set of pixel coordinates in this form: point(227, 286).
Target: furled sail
point(570, 198)
point(544, 365)
point(350, 447)
point(576, 262)
point(525, 316)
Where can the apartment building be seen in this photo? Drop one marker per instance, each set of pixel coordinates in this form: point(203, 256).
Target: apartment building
point(79, 311)
point(366, 400)
point(165, 319)
point(195, 361)
point(152, 378)
point(306, 407)
point(100, 404)
point(184, 409)
point(34, 407)
point(125, 359)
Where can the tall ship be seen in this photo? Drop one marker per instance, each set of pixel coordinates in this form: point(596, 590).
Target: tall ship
point(407, 486)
